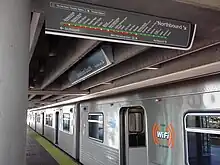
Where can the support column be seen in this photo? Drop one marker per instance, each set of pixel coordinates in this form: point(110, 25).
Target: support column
point(14, 56)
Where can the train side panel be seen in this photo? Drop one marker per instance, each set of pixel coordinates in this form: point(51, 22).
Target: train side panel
point(49, 127)
point(66, 130)
point(39, 120)
point(166, 114)
point(94, 151)
point(165, 108)
point(31, 119)
point(49, 133)
point(163, 118)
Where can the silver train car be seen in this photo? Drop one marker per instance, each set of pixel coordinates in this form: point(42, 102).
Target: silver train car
point(174, 124)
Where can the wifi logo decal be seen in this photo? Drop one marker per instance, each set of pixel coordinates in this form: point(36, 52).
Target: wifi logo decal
point(163, 133)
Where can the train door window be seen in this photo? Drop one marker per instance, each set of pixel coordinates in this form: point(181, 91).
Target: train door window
point(66, 122)
point(136, 127)
point(38, 118)
point(96, 126)
point(49, 119)
point(135, 122)
point(202, 138)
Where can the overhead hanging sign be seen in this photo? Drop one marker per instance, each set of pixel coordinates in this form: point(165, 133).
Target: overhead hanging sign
point(91, 65)
point(82, 20)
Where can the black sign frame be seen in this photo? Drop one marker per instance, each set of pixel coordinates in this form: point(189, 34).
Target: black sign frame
point(56, 27)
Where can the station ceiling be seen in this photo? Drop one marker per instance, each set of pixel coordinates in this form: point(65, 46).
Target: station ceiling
point(54, 58)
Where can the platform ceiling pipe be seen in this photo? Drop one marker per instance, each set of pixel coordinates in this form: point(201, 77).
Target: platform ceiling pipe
point(14, 58)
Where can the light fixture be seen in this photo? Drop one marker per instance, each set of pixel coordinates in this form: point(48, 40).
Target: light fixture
point(158, 100)
point(52, 54)
point(152, 68)
point(31, 87)
point(42, 69)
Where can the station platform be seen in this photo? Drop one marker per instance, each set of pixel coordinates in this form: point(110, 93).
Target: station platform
point(39, 151)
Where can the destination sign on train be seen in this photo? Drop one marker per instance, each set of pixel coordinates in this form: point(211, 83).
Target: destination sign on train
point(82, 20)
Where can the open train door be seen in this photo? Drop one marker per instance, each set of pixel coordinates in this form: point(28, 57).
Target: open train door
point(133, 136)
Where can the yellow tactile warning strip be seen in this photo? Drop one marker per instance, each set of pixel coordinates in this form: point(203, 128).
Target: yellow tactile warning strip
point(57, 154)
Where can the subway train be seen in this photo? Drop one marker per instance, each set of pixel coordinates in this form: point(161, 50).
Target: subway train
point(171, 124)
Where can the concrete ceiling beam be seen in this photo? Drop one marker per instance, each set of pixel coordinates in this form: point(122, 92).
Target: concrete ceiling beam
point(197, 59)
point(76, 51)
point(55, 98)
point(56, 92)
point(143, 61)
point(45, 97)
point(31, 96)
point(35, 29)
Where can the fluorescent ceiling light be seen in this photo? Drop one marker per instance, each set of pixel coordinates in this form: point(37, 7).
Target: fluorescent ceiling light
point(152, 68)
point(106, 83)
point(41, 69)
point(52, 54)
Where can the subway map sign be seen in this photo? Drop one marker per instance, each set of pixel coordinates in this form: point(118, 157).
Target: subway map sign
point(75, 19)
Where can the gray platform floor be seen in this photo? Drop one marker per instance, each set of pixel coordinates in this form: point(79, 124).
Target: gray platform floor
point(36, 154)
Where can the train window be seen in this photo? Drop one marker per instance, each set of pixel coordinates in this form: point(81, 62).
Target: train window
point(203, 138)
point(203, 121)
point(96, 126)
point(136, 127)
point(49, 119)
point(135, 122)
point(66, 122)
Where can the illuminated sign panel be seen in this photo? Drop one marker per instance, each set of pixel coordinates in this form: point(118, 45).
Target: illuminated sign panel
point(94, 22)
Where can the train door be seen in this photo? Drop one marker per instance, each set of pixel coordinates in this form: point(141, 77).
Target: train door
point(43, 123)
point(133, 136)
point(56, 127)
point(35, 122)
